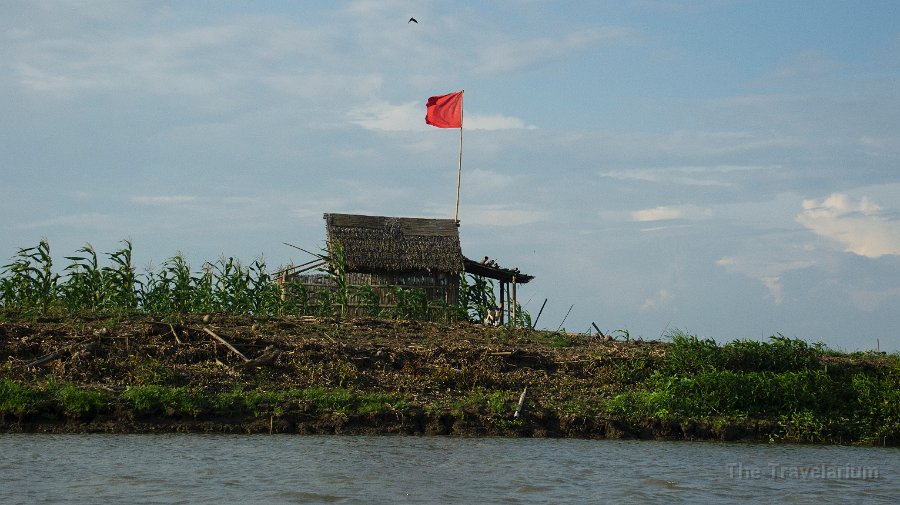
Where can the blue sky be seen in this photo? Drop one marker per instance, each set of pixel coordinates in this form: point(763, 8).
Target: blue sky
point(725, 168)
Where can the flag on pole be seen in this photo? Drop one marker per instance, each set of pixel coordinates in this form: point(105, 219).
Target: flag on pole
point(445, 111)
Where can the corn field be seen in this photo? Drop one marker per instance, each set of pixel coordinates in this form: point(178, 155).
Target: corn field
point(29, 285)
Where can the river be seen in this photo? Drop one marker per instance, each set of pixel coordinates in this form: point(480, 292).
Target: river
point(196, 469)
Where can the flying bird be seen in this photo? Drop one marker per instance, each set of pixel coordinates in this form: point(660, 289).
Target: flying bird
point(412, 20)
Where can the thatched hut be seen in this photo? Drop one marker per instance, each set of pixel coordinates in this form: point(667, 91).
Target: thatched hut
point(386, 253)
point(383, 254)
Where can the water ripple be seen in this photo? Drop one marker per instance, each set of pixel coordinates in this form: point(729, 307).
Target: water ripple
point(176, 469)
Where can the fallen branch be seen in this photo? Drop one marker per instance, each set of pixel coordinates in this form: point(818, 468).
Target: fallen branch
point(266, 357)
point(521, 403)
point(175, 333)
point(55, 354)
point(226, 344)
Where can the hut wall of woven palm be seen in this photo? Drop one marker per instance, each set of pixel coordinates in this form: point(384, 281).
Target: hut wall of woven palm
point(398, 244)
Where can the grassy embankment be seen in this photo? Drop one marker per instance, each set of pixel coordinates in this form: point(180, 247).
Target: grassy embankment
point(72, 358)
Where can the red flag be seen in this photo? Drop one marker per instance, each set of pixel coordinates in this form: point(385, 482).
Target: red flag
point(445, 111)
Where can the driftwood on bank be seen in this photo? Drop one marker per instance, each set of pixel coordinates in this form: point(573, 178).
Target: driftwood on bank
point(266, 357)
point(521, 404)
point(57, 353)
point(226, 344)
point(174, 333)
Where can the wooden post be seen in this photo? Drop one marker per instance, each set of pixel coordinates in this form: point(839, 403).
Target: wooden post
point(508, 301)
point(515, 306)
point(502, 301)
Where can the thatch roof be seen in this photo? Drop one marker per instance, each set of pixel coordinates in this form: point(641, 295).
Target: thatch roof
point(496, 272)
point(396, 244)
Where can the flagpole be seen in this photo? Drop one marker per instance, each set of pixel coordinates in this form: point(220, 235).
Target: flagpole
point(459, 169)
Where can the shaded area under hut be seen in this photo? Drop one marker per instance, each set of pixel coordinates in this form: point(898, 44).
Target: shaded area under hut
point(508, 280)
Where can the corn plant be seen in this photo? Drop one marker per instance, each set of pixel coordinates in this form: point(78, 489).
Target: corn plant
point(369, 298)
point(296, 299)
point(224, 286)
point(476, 299)
point(411, 304)
point(29, 281)
point(521, 318)
point(264, 290)
point(231, 287)
point(83, 287)
point(170, 290)
point(325, 303)
point(202, 298)
point(338, 273)
point(120, 280)
point(87, 286)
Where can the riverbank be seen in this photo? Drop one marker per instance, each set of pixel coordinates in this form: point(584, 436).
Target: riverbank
point(233, 374)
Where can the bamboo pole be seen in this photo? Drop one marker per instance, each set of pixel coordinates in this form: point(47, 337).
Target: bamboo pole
point(567, 316)
point(459, 168)
point(534, 323)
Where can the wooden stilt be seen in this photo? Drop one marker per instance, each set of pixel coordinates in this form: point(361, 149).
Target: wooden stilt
point(502, 302)
point(515, 304)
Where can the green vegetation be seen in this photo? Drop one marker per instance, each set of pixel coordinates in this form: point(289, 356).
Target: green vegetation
point(88, 344)
point(785, 381)
point(779, 390)
point(151, 400)
point(29, 287)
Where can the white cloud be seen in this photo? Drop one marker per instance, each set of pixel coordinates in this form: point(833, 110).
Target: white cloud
point(410, 116)
point(162, 199)
point(384, 116)
point(806, 65)
point(670, 212)
point(659, 299)
point(698, 175)
point(762, 265)
point(859, 226)
point(515, 55)
point(81, 220)
point(500, 215)
point(773, 284)
point(878, 145)
point(656, 214)
point(495, 122)
point(487, 180)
